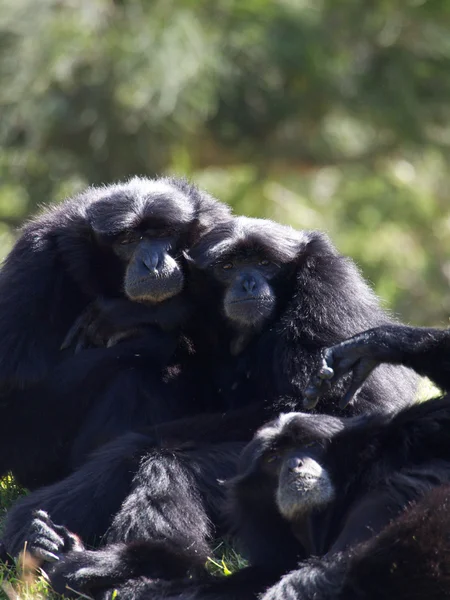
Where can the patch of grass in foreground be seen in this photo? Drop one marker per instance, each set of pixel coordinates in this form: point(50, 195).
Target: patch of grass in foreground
point(27, 582)
point(225, 560)
point(9, 492)
point(22, 583)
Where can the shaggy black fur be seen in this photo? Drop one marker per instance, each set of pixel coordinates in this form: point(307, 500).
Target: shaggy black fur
point(351, 511)
point(166, 484)
point(408, 559)
point(371, 467)
point(388, 464)
point(425, 350)
point(282, 296)
point(116, 254)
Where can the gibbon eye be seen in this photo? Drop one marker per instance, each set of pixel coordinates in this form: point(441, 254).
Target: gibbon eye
point(264, 262)
point(227, 266)
point(311, 444)
point(130, 239)
point(272, 458)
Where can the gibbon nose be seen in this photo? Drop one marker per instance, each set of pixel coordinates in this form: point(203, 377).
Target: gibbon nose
point(294, 463)
point(249, 285)
point(152, 262)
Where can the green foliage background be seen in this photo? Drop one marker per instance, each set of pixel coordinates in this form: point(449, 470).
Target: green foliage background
point(330, 114)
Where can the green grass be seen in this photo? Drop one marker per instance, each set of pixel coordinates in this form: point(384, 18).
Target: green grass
point(27, 582)
point(19, 584)
point(9, 492)
point(24, 581)
point(225, 560)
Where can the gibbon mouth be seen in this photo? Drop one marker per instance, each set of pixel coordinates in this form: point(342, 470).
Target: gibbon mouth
point(253, 299)
point(303, 484)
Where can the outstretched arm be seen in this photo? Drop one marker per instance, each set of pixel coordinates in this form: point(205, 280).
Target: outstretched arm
point(425, 350)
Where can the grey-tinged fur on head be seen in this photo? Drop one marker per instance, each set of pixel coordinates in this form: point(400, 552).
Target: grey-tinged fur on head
point(278, 242)
point(174, 201)
point(298, 428)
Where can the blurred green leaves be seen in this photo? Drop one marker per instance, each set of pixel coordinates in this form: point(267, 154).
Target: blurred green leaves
point(329, 114)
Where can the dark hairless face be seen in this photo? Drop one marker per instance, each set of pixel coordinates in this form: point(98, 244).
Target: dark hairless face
point(290, 452)
point(250, 259)
point(152, 271)
point(249, 299)
point(147, 224)
point(304, 484)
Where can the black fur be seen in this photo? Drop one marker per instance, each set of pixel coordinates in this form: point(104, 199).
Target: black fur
point(389, 464)
point(425, 350)
point(378, 464)
point(131, 487)
point(408, 559)
point(319, 296)
point(73, 255)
